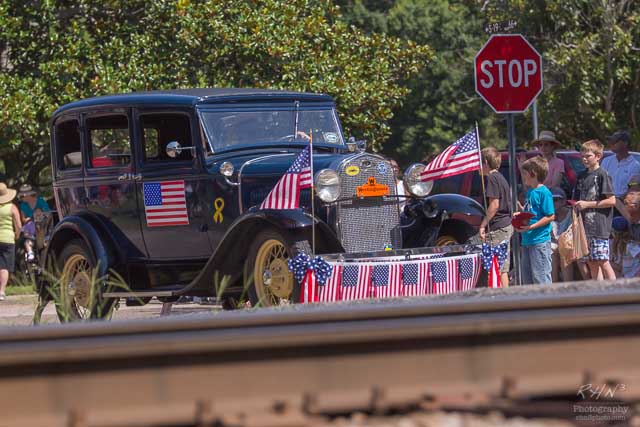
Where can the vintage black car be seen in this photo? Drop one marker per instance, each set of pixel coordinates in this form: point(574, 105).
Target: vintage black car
point(163, 188)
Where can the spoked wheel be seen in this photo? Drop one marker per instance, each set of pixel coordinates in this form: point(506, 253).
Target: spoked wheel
point(446, 240)
point(80, 295)
point(267, 273)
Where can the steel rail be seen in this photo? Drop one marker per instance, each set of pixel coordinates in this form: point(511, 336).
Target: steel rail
point(247, 368)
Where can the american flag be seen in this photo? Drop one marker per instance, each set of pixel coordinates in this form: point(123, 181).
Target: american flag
point(469, 272)
point(460, 157)
point(355, 282)
point(286, 193)
point(444, 276)
point(415, 279)
point(386, 281)
point(330, 291)
point(165, 203)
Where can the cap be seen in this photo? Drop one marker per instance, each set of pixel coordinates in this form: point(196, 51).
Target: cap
point(621, 135)
point(558, 193)
point(619, 223)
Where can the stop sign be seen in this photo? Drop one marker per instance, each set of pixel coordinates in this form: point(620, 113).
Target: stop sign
point(508, 73)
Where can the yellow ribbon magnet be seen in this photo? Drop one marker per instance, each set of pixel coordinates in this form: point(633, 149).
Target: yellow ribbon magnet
point(218, 205)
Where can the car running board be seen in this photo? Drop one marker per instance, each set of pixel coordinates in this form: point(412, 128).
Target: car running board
point(161, 292)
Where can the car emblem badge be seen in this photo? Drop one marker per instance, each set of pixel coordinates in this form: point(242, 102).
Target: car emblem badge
point(352, 170)
point(372, 189)
point(382, 168)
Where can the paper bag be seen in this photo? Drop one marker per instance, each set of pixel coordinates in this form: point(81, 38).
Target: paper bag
point(572, 244)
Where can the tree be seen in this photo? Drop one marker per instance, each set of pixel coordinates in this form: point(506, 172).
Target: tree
point(591, 54)
point(442, 105)
point(55, 52)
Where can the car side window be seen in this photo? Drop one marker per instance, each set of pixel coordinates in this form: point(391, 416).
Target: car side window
point(109, 139)
point(159, 129)
point(67, 143)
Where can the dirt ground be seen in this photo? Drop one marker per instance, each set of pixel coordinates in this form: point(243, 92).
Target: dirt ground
point(18, 311)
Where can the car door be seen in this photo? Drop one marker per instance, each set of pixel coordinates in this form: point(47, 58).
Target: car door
point(109, 187)
point(68, 186)
point(171, 189)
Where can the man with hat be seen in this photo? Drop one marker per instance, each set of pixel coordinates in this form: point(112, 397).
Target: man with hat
point(9, 232)
point(547, 145)
point(622, 166)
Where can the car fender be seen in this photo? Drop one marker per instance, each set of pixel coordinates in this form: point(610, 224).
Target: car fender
point(456, 203)
point(292, 222)
point(79, 227)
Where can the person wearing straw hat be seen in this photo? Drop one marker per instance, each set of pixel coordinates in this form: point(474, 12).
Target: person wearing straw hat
point(9, 232)
point(547, 144)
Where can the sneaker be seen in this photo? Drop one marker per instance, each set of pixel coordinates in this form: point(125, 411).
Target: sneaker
point(2, 297)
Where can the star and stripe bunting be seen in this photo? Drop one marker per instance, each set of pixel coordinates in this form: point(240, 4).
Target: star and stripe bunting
point(165, 203)
point(286, 193)
point(444, 276)
point(469, 272)
point(330, 291)
point(386, 281)
point(415, 279)
point(460, 157)
point(355, 282)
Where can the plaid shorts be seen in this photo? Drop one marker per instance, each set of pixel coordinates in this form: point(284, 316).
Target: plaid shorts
point(599, 250)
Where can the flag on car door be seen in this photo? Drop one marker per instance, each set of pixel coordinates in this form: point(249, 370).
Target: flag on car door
point(165, 203)
point(286, 193)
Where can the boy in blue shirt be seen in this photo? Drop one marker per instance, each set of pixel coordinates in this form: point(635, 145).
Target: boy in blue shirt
point(536, 237)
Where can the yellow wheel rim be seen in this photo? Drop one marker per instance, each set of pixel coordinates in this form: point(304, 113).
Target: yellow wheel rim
point(273, 280)
point(75, 287)
point(446, 240)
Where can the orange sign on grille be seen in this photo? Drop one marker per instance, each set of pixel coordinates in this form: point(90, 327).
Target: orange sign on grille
point(372, 189)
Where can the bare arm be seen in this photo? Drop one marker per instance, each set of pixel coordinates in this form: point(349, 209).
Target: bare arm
point(494, 204)
point(609, 202)
point(17, 223)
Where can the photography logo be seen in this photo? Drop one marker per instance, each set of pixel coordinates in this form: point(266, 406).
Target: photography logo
point(598, 404)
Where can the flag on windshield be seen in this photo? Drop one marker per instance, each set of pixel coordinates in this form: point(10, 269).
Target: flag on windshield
point(286, 193)
point(460, 157)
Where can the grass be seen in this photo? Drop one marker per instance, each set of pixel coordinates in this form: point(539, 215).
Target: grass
point(20, 290)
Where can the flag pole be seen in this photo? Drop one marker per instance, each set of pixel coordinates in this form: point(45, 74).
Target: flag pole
point(313, 210)
point(484, 193)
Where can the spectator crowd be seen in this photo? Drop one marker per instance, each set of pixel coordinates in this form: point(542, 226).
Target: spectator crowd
point(605, 201)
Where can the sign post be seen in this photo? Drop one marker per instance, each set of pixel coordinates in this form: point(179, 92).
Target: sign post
point(508, 76)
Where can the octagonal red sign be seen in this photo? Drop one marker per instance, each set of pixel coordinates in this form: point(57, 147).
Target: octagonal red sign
point(508, 73)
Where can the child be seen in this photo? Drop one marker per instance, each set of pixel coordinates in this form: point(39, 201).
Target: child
point(560, 224)
point(498, 217)
point(28, 231)
point(596, 199)
point(627, 237)
point(536, 237)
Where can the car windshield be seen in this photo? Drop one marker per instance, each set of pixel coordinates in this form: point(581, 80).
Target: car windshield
point(230, 129)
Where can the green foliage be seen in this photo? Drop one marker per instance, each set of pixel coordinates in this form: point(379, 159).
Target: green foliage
point(442, 105)
point(54, 52)
point(591, 58)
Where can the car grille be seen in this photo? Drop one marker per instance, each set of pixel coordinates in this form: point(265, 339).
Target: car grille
point(368, 224)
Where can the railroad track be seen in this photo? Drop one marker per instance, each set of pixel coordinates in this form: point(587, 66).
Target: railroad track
point(298, 365)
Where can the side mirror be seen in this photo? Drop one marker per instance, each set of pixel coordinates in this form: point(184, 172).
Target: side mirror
point(174, 149)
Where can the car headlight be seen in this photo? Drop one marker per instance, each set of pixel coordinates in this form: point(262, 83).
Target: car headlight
point(414, 184)
point(327, 185)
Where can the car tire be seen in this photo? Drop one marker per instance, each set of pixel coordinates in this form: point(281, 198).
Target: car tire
point(76, 295)
point(267, 278)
